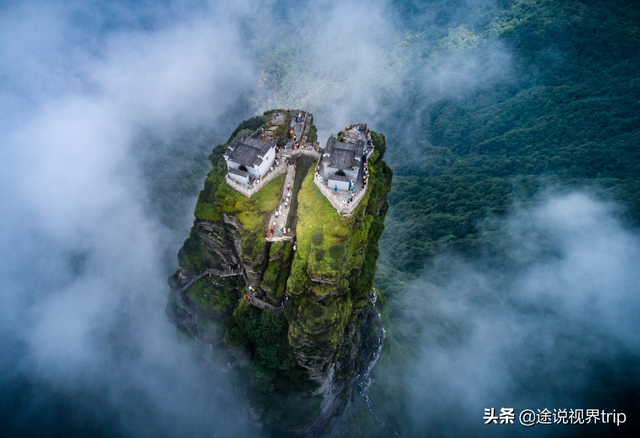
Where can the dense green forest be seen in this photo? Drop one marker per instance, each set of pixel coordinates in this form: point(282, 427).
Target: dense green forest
point(567, 116)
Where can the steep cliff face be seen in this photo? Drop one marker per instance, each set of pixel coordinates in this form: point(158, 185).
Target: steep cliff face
point(303, 357)
point(331, 280)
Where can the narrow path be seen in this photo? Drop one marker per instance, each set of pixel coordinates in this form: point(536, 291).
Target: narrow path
point(283, 208)
point(257, 302)
point(227, 273)
point(297, 130)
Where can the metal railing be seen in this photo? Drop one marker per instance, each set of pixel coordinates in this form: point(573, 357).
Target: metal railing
point(211, 271)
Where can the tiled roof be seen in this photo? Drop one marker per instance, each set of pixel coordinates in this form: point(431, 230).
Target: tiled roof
point(248, 151)
point(344, 155)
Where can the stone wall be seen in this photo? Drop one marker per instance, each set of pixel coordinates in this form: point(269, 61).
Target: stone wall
point(336, 200)
point(250, 191)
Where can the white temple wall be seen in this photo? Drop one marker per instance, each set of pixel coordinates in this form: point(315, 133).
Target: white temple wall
point(267, 162)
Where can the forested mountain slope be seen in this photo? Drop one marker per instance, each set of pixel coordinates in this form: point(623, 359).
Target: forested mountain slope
point(567, 114)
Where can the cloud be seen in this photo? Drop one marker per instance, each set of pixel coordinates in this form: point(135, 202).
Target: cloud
point(383, 62)
point(553, 324)
point(330, 57)
point(83, 280)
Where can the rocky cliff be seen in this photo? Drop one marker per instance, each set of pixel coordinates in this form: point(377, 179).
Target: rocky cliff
point(298, 363)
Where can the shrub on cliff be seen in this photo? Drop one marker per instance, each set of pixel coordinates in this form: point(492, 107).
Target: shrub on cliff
point(379, 142)
point(313, 132)
point(336, 252)
point(193, 254)
point(317, 238)
point(249, 125)
point(235, 338)
point(267, 330)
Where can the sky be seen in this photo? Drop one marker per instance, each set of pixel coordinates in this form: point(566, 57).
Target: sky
point(87, 348)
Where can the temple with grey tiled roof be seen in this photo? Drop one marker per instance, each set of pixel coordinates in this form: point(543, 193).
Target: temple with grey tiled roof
point(249, 158)
point(342, 163)
point(342, 171)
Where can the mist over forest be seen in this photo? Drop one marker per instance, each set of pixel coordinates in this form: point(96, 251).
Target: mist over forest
point(508, 262)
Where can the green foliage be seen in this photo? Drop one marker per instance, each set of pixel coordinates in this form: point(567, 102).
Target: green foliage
point(379, 142)
point(234, 338)
point(275, 248)
point(327, 244)
point(567, 116)
point(336, 252)
point(262, 376)
point(313, 132)
point(317, 238)
point(267, 331)
point(325, 272)
point(207, 212)
point(283, 129)
point(573, 123)
point(270, 277)
point(253, 213)
point(217, 198)
point(218, 299)
point(193, 255)
point(566, 112)
point(250, 125)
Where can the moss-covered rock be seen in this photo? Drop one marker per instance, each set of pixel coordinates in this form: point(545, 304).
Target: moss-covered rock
point(302, 357)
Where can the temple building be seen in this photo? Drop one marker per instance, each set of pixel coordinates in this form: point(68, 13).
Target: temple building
point(342, 163)
point(249, 158)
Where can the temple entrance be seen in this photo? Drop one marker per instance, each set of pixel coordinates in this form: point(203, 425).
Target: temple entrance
point(243, 168)
point(340, 172)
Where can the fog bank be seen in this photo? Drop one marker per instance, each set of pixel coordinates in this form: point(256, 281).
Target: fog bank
point(87, 349)
point(552, 323)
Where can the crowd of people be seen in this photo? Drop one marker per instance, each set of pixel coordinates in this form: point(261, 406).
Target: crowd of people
point(284, 204)
point(348, 200)
point(351, 197)
point(369, 146)
point(299, 118)
point(365, 177)
point(281, 231)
